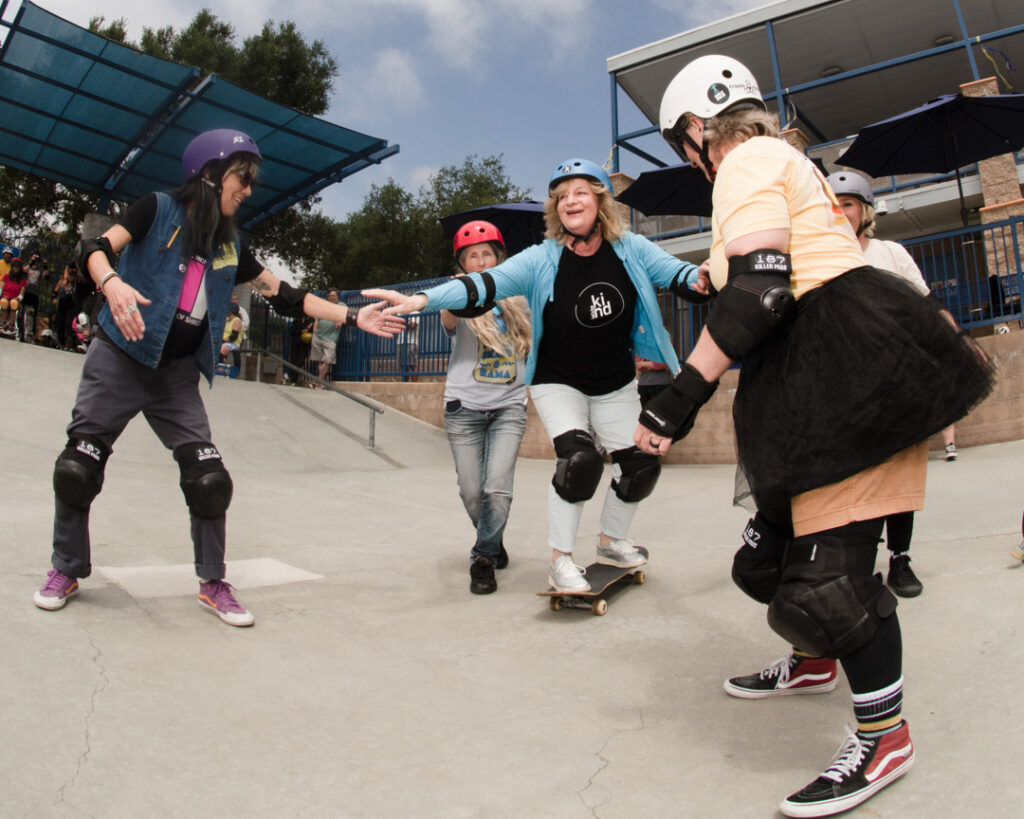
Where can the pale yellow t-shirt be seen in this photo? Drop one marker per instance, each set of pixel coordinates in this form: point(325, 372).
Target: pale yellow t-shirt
point(766, 184)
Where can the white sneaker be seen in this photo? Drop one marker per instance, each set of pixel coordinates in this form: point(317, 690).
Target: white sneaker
point(566, 576)
point(621, 553)
point(951, 452)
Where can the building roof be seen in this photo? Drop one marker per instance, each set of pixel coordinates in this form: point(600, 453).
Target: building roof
point(101, 117)
point(834, 66)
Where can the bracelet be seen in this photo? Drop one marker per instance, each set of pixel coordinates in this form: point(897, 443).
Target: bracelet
point(106, 278)
point(351, 317)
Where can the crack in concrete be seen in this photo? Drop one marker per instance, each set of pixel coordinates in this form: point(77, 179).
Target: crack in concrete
point(101, 686)
point(605, 764)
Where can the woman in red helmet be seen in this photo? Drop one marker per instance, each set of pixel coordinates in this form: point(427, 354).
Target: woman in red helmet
point(166, 307)
point(485, 402)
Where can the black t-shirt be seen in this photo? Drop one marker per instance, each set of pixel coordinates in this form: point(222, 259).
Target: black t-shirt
point(189, 328)
point(588, 325)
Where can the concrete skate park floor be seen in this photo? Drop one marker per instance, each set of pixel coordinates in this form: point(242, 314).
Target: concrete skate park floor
point(375, 685)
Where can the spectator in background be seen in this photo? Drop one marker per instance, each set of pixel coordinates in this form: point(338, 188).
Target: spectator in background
point(244, 315)
point(325, 343)
point(298, 352)
point(5, 261)
point(64, 302)
point(37, 271)
point(232, 332)
point(12, 286)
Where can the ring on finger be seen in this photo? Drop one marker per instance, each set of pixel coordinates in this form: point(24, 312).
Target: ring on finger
point(132, 307)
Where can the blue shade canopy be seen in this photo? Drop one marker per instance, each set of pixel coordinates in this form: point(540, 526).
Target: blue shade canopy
point(96, 115)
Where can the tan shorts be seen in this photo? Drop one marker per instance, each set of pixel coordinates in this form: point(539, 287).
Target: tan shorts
point(320, 350)
point(897, 485)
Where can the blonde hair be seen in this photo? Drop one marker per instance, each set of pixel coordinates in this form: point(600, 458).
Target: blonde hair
point(739, 126)
point(867, 218)
point(613, 227)
point(515, 312)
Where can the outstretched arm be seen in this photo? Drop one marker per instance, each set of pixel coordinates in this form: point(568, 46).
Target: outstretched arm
point(401, 303)
point(293, 301)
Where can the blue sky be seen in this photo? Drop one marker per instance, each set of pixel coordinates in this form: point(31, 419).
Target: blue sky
point(444, 79)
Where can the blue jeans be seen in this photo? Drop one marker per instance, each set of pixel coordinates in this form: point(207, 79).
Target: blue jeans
point(485, 445)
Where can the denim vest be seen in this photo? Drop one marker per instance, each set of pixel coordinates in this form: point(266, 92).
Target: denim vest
point(155, 268)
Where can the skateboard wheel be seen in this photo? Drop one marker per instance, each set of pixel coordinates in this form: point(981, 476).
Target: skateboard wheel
point(599, 607)
point(639, 578)
point(555, 603)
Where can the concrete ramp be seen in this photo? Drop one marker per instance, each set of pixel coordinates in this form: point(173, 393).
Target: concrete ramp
point(375, 685)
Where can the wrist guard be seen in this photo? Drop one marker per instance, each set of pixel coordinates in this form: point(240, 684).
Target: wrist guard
point(288, 301)
point(671, 412)
point(86, 247)
point(472, 295)
point(754, 304)
point(680, 287)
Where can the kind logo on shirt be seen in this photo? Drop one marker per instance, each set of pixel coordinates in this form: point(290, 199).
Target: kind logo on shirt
point(598, 304)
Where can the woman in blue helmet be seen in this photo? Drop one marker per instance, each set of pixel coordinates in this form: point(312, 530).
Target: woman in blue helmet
point(591, 289)
point(161, 327)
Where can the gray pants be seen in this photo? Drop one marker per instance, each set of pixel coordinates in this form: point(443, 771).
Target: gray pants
point(114, 389)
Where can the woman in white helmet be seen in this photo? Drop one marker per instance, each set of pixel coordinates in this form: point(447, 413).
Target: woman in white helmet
point(846, 372)
point(591, 290)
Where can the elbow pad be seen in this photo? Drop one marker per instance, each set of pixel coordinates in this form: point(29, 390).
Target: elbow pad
point(288, 301)
point(754, 304)
point(671, 412)
point(86, 247)
point(680, 287)
point(473, 295)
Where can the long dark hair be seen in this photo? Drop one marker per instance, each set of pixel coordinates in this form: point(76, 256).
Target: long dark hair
point(207, 230)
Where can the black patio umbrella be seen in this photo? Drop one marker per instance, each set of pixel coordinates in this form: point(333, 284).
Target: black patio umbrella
point(942, 135)
point(678, 190)
point(521, 223)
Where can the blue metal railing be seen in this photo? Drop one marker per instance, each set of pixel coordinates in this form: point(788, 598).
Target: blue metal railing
point(976, 271)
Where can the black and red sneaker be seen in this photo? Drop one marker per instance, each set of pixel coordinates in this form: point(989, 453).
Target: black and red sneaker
point(860, 769)
point(788, 675)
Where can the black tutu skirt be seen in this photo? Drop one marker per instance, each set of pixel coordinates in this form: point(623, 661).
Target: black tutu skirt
point(867, 368)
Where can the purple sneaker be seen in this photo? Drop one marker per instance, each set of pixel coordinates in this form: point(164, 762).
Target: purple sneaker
point(55, 591)
point(217, 597)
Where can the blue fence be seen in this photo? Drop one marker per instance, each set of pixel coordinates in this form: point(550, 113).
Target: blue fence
point(976, 272)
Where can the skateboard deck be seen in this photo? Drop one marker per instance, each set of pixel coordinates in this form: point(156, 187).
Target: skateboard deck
point(601, 578)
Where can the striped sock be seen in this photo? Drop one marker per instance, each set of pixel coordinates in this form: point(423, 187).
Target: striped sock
point(879, 712)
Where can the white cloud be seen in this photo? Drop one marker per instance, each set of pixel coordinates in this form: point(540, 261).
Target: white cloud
point(389, 86)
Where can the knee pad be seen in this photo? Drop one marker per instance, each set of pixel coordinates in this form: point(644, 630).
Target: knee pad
point(578, 466)
point(205, 482)
point(826, 603)
point(78, 472)
point(639, 476)
point(757, 566)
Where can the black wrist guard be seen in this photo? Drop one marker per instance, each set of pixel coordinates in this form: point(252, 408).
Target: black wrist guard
point(288, 301)
point(86, 247)
point(682, 290)
point(471, 310)
point(671, 412)
point(351, 316)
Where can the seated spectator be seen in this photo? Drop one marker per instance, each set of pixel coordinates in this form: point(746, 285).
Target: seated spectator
point(12, 288)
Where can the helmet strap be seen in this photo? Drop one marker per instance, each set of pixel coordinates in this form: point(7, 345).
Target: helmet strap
point(580, 237)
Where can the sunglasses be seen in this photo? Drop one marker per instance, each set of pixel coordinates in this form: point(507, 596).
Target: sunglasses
point(246, 178)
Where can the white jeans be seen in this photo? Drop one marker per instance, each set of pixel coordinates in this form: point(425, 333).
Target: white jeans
point(613, 417)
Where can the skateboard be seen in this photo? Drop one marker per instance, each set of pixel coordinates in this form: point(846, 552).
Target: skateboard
point(601, 578)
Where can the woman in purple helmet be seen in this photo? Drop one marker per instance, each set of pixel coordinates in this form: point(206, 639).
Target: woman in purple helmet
point(166, 306)
point(593, 304)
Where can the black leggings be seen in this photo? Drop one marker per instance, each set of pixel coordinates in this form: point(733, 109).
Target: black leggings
point(898, 529)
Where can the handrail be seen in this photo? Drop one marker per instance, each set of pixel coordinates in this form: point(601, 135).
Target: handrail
point(260, 352)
